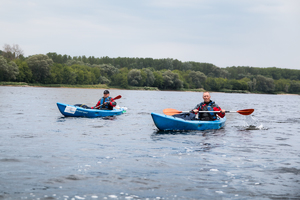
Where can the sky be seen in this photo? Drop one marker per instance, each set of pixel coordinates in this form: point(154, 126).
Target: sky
point(255, 33)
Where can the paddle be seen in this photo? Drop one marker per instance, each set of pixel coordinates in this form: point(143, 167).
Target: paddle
point(117, 97)
point(171, 111)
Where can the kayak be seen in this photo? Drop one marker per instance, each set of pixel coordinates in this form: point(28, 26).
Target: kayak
point(166, 122)
point(75, 111)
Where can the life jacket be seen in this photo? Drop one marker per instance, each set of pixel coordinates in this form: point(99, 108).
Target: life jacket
point(207, 116)
point(102, 100)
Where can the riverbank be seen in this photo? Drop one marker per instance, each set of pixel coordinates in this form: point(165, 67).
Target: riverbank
point(104, 86)
point(98, 86)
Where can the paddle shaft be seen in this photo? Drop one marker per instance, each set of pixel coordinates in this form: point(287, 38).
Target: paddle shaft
point(227, 111)
point(171, 111)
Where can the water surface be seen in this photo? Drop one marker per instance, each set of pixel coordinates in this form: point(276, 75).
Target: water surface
point(44, 155)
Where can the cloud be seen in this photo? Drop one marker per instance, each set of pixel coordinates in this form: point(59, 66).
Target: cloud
point(260, 33)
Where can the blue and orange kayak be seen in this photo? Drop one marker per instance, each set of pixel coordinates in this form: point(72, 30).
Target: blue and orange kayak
point(166, 122)
point(74, 111)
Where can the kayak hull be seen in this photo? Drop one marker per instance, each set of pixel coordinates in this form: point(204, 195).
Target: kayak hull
point(167, 123)
point(74, 111)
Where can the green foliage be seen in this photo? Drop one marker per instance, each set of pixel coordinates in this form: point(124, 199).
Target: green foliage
point(295, 87)
point(168, 74)
point(271, 72)
point(159, 80)
point(40, 67)
point(8, 71)
point(25, 74)
point(282, 85)
point(265, 84)
point(148, 77)
point(135, 77)
point(120, 79)
point(238, 84)
point(196, 79)
point(108, 70)
point(171, 80)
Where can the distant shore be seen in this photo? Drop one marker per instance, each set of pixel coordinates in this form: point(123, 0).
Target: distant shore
point(104, 86)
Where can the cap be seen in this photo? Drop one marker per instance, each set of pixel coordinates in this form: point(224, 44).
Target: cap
point(106, 92)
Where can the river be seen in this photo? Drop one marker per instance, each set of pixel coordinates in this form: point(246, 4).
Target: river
point(44, 155)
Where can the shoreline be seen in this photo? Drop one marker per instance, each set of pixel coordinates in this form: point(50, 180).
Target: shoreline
point(102, 86)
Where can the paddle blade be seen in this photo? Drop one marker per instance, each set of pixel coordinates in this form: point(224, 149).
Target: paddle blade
point(171, 111)
point(246, 111)
point(117, 97)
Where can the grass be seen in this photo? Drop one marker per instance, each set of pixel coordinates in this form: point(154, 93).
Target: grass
point(98, 86)
point(13, 83)
point(234, 91)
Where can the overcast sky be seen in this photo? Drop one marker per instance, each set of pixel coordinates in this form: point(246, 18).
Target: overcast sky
point(257, 33)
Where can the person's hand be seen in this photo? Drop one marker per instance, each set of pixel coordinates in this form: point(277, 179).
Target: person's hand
point(223, 111)
point(195, 110)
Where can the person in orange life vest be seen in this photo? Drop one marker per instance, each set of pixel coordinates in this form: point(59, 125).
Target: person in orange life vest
point(208, 105)
point(106, 102)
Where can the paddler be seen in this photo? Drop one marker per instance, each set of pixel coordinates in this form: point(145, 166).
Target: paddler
point(208, 105)
point(106, 102)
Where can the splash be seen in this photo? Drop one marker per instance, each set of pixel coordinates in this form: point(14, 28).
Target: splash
point(252, 124)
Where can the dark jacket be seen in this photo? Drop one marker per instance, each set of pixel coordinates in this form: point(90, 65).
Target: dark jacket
point(210, 106)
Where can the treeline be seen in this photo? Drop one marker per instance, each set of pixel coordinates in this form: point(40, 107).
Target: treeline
point(165, 74)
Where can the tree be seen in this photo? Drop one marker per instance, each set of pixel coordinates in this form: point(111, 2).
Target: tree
point(12, 52)
point(168, 63)
point(171, 80)
point(150, 78)
point(265, 84)
point(252, 85)
point(108, 70)
point(134, 77)
point(40, 67)
point(212, 84)
point(282, 85)
point(197, 79)
point(8, 71)
point(103, 80)
point(121, 78)
point(74, 62)
point(186, 66)
point(25, 74)
point(295, 87)
point(159, 80)
point(56, 76)
point(69, 75)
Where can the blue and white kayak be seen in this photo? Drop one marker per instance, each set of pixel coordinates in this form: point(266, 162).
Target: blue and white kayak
point(166, 122)
point(74, 111)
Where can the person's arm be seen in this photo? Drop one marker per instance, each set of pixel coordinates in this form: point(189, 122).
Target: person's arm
point(222, 113)
point(96, 105)
point(112, 103)
point(196, 109)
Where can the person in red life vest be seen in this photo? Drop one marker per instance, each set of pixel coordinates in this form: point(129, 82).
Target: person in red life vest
point(106, 102)
point(208, 105)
